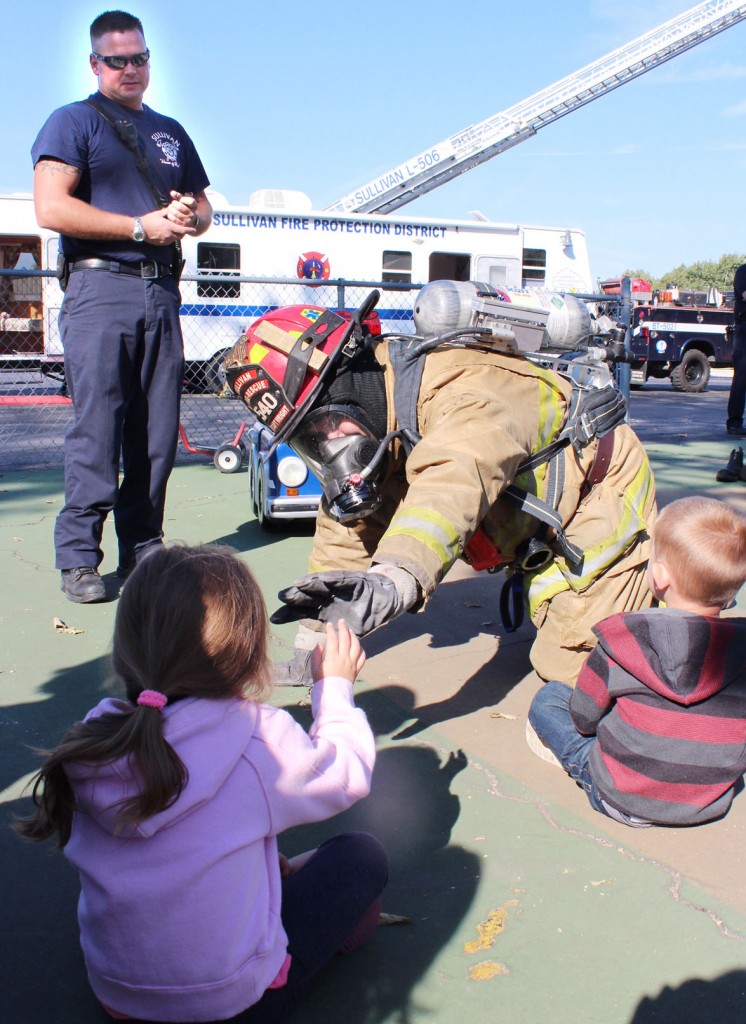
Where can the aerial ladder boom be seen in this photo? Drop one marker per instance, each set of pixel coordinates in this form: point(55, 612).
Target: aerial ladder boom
point(480, 142)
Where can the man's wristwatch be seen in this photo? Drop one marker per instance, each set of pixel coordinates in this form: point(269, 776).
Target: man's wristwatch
point(138, 232)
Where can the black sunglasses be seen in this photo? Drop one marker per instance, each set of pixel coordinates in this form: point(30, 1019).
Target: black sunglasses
point(137, 60)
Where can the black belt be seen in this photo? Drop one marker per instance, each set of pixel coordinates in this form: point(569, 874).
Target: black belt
point(150, 270)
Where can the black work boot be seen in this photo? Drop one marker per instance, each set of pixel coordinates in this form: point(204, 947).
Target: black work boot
point(734, 469)
point(126, 565)
point(83, 585)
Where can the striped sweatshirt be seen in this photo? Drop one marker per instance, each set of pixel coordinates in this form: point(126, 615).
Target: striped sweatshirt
point(664, 692)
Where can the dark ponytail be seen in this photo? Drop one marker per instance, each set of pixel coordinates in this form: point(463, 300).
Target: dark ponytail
point(134, 733)
point(191, 622)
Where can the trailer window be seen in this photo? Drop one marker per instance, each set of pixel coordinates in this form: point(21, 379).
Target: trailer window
point(450, 266)
point(217, 264)
point(534, 266)
point(20, 296)
point(397, 267)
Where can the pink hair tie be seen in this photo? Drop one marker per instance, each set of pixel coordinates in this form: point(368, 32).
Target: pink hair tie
point(152, 699)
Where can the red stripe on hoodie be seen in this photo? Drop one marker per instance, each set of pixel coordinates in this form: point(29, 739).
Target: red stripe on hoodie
point(713, 667)
point(681, 725)
point(628, 781)
point(592, 684)
point(626, 650)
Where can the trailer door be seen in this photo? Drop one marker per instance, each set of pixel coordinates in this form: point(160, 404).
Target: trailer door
point(499, 271)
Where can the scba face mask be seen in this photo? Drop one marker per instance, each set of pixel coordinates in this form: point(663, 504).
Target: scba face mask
point(338, 444)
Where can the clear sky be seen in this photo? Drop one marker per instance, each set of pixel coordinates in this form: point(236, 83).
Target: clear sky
point(322, 97)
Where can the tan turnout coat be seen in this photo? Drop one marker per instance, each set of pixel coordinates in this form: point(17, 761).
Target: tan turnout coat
point(481, 414)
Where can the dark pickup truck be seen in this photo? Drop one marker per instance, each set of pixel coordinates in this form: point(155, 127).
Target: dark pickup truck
point(680, 341)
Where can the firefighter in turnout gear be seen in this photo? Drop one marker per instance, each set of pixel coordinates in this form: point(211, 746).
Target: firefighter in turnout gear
point(452, 445)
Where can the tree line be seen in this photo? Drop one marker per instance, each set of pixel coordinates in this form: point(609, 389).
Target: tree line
point(700, 276)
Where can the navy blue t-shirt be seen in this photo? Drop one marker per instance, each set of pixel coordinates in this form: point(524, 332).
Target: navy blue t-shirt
point(78, 135)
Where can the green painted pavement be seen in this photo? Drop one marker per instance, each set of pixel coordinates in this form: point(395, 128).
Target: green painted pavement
point(581, 918)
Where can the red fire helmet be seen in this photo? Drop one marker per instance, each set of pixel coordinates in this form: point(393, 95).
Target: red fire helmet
point(281, 362)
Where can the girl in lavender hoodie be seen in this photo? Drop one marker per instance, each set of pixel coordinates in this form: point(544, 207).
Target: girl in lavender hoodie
point(169, 804)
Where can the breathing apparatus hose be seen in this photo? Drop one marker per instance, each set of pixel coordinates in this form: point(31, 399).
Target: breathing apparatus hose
point(375, 462)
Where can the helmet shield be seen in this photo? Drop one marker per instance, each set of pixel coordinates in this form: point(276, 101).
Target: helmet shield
point(339, 445)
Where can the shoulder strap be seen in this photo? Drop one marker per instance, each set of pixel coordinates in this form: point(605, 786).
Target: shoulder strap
point(408, 362)
point(127, 134)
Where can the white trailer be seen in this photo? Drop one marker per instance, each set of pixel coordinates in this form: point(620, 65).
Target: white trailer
point(281, 240)
point(278, 251)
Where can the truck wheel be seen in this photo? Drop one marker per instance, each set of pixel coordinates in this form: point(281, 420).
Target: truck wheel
point(692, 373)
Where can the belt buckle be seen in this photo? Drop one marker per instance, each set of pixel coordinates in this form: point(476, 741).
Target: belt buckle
point(149, 270)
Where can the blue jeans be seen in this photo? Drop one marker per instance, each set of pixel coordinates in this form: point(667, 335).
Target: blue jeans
point(549, 714)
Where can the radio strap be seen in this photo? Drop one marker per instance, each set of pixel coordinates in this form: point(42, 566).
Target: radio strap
point(127, 134)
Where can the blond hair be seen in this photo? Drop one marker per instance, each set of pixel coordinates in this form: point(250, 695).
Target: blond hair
point(702, 543)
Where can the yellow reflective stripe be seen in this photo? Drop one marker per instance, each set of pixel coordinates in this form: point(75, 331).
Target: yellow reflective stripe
point(429, 528)
point(558, 576)
point(544, 586)
point(551, 421)
point(551, 410)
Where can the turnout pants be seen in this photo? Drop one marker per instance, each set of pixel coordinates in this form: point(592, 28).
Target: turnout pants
point(124, 365)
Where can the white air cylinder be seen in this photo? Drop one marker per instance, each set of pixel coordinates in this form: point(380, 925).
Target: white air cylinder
point(443, 306)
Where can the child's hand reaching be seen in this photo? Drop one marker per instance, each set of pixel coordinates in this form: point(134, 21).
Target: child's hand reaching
point(342, 655)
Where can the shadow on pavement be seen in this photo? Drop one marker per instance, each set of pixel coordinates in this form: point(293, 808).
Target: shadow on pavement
point(42, 975)
point(412, 811)
point(722, 999)
point(462, 612)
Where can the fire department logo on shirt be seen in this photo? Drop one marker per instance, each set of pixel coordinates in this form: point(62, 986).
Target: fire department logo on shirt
point(169, 147)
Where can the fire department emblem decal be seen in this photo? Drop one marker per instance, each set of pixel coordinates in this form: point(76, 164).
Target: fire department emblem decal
point(313, 266)
point(169, 147)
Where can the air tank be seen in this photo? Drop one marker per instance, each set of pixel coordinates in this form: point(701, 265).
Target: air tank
point(443, 306)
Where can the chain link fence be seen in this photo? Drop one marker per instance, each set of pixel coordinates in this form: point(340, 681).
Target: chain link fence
point(35, 409)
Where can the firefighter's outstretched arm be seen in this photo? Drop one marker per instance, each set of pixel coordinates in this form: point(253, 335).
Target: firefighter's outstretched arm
point(365, 600)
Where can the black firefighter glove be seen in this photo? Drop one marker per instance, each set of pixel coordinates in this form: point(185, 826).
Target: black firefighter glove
point(365, 600)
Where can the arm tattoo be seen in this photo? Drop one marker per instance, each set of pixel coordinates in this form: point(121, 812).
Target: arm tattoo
point(56, 167)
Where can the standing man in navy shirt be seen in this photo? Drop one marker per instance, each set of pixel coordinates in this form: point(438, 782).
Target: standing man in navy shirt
point(119, 321)
point(737, 394)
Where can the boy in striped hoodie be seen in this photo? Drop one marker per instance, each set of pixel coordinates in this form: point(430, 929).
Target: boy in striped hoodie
point(655, 730)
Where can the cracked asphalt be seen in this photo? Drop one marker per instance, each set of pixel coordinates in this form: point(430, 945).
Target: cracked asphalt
point(521, 904)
